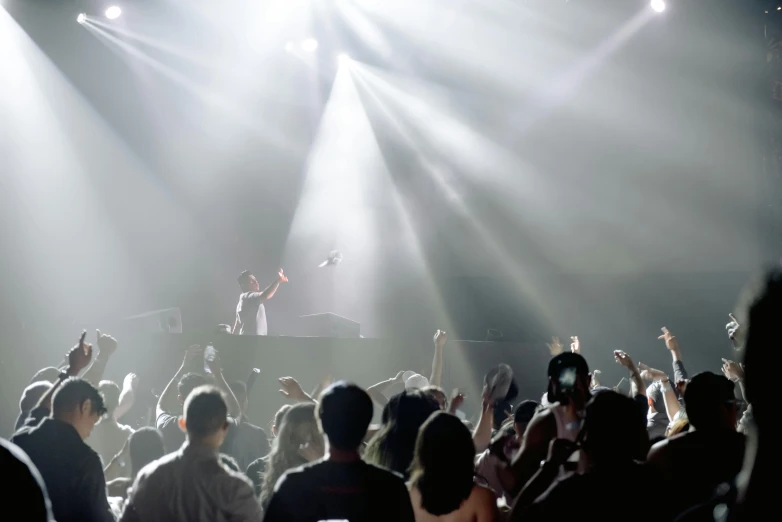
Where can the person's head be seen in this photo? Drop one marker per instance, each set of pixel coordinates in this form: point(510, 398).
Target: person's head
point(392, 446)
point(50, 374)
point(248, 282)
point(240, 392)
point(277, 421)
point(223, 329)
point(344, 414)
point(614, 429)
point(110, 391)
point(523, 415)
point(569, 379)
point(32, 394)
point(438, 394)
point(145, 445)
point(78, 403)
point(655, 397)
point(710, 402)
point(443, 465)
point(297, 439)
point(188, 383)
point(761, 356)
point(206, 417)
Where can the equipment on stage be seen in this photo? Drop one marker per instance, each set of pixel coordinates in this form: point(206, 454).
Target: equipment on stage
point(168, 320)
point(328, 325)
point(335, 258)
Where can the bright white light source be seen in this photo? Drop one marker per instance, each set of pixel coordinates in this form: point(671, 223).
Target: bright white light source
point(113, 12)
point(343, 58)
point(81, 18)
point(658, 5)
point(289, 47)
point(309, 45)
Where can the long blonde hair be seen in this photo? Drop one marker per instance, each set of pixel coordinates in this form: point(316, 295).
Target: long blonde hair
point(298, 427)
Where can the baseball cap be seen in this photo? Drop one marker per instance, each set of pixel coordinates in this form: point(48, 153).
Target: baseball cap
point(567, 360)
point(416, 381)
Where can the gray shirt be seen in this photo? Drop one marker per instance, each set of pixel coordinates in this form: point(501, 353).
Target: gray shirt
point(250, 314)
point(191, 485)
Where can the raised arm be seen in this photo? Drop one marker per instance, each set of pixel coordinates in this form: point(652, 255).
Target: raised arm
point(270, 290)
point(167, 403)
point(376, 390)
point(436, 379)
point(679, 372)
point(107, 346)
point(636, 382)
point(481, 437)
point(735, 372)
point(78, 358)
point(234, 410)
point(127, 397)
point(672, 406)
point(534, 448)
point(291, 389)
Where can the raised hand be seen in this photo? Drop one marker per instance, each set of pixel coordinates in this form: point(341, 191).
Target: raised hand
point(650, 374)
point(282, 277)
point(732, 370)
point(622, 358)
point(79, 356)
point(734, 331)
point(457, 399)
point(670, 340)
point(130, 382)
point(596, 378)
point(106, 343)
point(575, 344)
point(292, 389)
point(440, 338)
point(555, 347)
point(400, 377)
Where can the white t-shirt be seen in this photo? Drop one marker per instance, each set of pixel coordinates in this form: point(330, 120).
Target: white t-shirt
point(251, 314)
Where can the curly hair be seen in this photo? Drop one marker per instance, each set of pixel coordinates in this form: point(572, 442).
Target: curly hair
point(298, 427)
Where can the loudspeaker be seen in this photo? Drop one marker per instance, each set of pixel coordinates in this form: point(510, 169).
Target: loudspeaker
point(328, 325)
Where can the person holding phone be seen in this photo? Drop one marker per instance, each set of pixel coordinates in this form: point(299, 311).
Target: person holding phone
point(250, 312)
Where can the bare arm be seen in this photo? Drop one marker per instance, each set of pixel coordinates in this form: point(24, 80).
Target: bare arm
point(534, 448)
point(127, 397)
point(107, 346)
point(481, 437)
point(636, 382)
point(167, 403)
point(436, 379)
point(672, 406)
point(270, 290)
point(376, 390)
point(78, 358)
point(234, 410)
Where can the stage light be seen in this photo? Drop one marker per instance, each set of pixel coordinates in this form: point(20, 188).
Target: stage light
point(309, 45)
point(81, 18)
point(289, 47)
point(658, 5)
point(113, 12)
point(343, 58)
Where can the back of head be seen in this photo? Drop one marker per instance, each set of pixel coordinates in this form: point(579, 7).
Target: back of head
point(525, 411)
point(392, 447)
point(110, 391)
point(654, 394)
point(345, 411)
point(145, 445)
point(709, 399)
point(188, 383)
point(50, 374)
point(28, 491)
point(615, 428)
point(205, 412)
point(72, 394)
point(32, 394)
point(761, 353)
point(443, 467)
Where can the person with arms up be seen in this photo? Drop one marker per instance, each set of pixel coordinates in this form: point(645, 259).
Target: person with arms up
point(71, 470)
point(192, 484)
point(341, 486)
point(250, 312)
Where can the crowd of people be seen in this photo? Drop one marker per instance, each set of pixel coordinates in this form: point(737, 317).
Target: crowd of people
point(676, 447)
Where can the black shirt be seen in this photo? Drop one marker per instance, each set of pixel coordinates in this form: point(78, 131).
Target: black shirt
point(28, 491)
point(354, 491)
point(255, 472)
point(71, 470)
point(249, 443)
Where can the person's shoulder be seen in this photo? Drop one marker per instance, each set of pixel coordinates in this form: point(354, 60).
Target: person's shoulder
point(384, 475)
point(166, 420)
point(157, 466)
point(483, 494)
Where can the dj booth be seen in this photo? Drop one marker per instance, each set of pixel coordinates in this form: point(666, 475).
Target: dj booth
point(156, 358)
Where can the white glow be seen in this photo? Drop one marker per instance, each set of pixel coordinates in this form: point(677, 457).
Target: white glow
point(309, 45)
point(289, 47)
point(343, 58)
point(81, 18)
point(113, 12)
point(658, 5)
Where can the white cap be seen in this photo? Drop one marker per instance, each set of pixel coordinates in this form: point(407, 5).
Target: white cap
point(416, 382)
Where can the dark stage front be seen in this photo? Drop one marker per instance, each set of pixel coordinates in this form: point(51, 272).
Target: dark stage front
point(364, 361)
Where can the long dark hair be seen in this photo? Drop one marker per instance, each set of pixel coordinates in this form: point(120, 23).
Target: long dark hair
point(443, 468)
point(393, 445)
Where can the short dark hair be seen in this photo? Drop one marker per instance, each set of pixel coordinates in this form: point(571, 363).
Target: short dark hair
point(244, 278)
point(145, 445)
point(110, 391)
point(72, 394)
point(240, 390)
point(705, 397)
point(345, 411)
point(205, 411)
point(525, 411)
point(189, 382)
point(615, 427)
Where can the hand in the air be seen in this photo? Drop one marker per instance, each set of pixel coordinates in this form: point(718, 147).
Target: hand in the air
point(575, 344)
point(732, 370)
point(292, 389)
point(440, 338)
point(650, 374)
point(79, 356)
point(734, 331)
point(282, 277)
point(106, 343)
point(130, 382)
point(622, 358)
point(555, 347)
point(670, 340)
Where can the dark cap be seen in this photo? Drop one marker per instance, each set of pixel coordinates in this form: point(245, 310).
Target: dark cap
point(525, 411)
point(708, 389)
point(567, 360)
